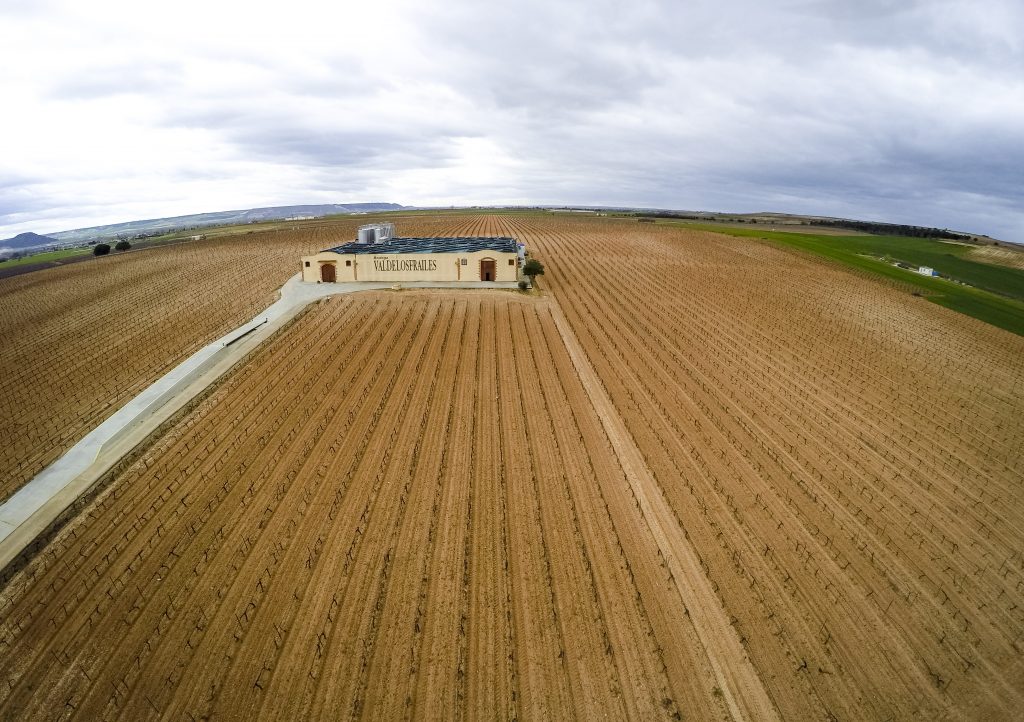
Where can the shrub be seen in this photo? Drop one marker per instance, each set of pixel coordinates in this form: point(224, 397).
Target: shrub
point(100, 249)
point(122, 246)
point(523, 285)
point(533, 268)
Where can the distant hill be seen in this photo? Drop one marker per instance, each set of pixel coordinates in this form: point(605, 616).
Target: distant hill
point(251, 215)
point(24, 241)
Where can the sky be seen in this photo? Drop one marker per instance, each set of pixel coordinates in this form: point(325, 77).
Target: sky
point(892, 110)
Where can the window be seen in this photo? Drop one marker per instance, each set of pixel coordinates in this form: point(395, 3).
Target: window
point(307, 264)
point(465, 262)
point(348, 263)
point(511, 261)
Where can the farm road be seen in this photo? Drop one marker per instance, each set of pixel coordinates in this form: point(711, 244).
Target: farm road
point(739, 682)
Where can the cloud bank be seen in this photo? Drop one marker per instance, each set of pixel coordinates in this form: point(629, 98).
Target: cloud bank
point(910, 112)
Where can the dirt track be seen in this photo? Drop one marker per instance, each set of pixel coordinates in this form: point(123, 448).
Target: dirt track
point(737, 679)
point(723, 482)
point(844, 459)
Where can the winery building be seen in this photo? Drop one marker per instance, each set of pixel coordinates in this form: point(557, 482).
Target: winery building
point(377, 255)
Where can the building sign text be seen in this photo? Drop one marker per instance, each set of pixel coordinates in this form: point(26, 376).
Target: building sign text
point(404, 264)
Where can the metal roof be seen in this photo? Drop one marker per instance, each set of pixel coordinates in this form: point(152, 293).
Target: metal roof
point(464, 244)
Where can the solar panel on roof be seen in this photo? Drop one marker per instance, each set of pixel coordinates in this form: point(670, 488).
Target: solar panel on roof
point(464, 244)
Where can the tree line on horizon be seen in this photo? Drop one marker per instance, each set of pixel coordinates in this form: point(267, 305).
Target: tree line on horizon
point(878, 228)
point(894, 229)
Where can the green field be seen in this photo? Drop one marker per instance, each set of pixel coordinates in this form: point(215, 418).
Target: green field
point(46, 257)
point(995, 294)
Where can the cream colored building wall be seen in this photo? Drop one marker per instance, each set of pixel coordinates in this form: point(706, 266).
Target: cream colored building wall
point(503, 270)
point(311, 273)
point(399, 267)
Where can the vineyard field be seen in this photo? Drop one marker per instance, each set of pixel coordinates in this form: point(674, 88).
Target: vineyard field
point(693, 477)
point(78, 342)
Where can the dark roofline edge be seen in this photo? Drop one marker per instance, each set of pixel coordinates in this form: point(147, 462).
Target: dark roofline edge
point(501, 244)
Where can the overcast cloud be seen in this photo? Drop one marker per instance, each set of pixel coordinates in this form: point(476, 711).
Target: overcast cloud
point(894, 110)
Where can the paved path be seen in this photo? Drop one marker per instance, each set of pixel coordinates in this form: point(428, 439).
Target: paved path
point(31, 509)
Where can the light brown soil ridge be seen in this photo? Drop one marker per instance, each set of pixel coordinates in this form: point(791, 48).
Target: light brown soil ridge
point(737, 679)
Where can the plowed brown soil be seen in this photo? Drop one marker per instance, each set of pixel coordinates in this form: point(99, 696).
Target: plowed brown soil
point(844, 458)
point(78, 342)
point(703, 478)
point(1012, 257)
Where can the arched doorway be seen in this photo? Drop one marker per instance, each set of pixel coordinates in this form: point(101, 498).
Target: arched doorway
point(327, 273)
point(487, 270)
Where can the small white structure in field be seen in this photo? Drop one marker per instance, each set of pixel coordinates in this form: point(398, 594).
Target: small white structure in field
point(925, 271)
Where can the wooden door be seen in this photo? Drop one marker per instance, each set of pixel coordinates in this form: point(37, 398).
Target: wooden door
point(487, 269)
point(327, 273)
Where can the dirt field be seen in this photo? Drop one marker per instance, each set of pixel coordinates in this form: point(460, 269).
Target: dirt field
point(702, 477)
point(999, 256)
point(393, 508)
point(79, 341)
point(844, 458)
